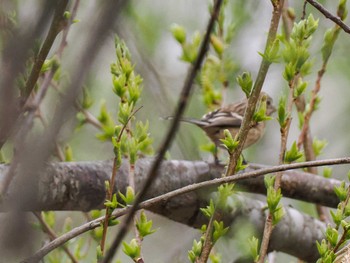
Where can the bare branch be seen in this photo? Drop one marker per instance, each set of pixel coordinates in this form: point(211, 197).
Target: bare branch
point(329, 15)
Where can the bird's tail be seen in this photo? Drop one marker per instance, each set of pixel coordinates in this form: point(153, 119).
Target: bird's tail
point(189, 120)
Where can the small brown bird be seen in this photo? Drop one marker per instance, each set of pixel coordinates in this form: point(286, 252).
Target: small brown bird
point(230, 117)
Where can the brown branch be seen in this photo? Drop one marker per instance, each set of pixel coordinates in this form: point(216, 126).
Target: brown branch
point(184, 96)
point(115, 168)
point(84, 188)
point(329, 15)
point(250, 210)
point(55, 28)
point(253, 99)
point(18, 45)
point(161, 200)
point(52, 235)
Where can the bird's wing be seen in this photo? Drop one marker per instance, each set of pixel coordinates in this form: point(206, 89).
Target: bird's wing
point(224, 119)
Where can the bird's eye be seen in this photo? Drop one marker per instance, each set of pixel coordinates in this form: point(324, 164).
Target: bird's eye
point(268, 102)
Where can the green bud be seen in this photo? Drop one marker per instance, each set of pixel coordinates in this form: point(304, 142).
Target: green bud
point(179, 33)
point(322, 248)
point(289, 72)
point(327, 172)
point(318, 146)
point(144, 226)
point(119, 85)
point(129, 196)
point(341, 191)
point(245, 81)
point(332, 235)
point(219, 230)
point(124, 113)
point(277, 215)
point(300, 88)
point(132, 249)
point(217, 44)
point(68, 153)
point(342, 11)
point(293, 154)
point(228, 142)
point(253, 243)
point(209, 211)
point(281, 111)
point(337, 216)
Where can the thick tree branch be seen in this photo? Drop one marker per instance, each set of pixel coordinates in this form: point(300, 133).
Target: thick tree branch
point(80, 185)
point(286, 236)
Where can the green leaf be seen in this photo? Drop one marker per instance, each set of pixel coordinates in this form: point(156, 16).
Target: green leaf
point(260, 113)
point(300, 88)
point(322, 248)
point(245, 81)
point(269, 181)
point(144, 226)
point(327, 172)
point(228, 142)
point(341, 191)
point(272, 52)
point(337, 216)
point(125, 111)
point(112, 204)
point(253, 243)
point(209, 210)
point(318, 146)
point(179, 33)
point(87, 100)
point(119, 85)
point(240, 164)
point(273, 199)
point(190, 49)
point(132, 249)
point(219, 230)
point(223, 193)
point(104, 117)
point(342, 10)
point(332, 235)
point(289, 71)
point(293, 154)
point(282, 113)
point(99, 253)
point(277, 215)
point(68, 153)
point(195, 251)
point(129, 196)
point(217, 44)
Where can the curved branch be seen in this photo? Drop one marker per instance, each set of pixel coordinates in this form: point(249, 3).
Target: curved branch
point(250, 210)
point(80, 186)
point(329, 15)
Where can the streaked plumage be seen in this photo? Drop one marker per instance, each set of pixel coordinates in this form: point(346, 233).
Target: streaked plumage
point(230, 117)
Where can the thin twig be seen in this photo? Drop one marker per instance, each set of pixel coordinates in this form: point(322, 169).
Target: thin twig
point(27, 120)
point(304, 10)
point(284, 136)
point(190, 188)
point(112, 182)
point(52, 235)
point(18, 45)
point(329, 15)
point(55, 28)
point(253, 99)
point(185, 94)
